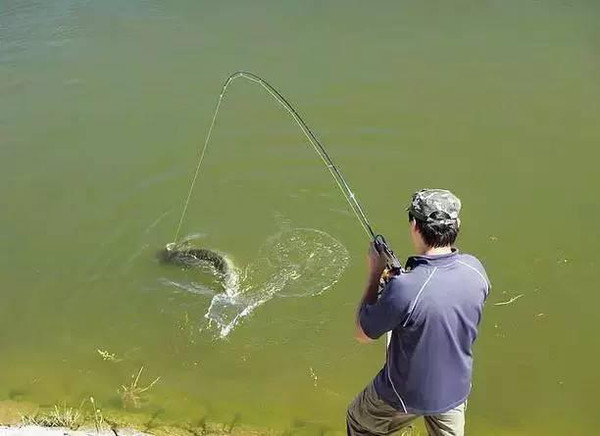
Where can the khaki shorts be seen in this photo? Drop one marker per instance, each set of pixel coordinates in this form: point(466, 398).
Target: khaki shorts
point(369, 415)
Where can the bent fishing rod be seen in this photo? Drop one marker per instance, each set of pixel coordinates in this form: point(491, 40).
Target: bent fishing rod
point(393, 264)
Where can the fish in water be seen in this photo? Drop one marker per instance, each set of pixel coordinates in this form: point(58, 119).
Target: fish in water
point(190, 257)
point(186, 256)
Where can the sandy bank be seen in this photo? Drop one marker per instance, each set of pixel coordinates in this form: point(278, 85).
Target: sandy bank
point(32, 430)
point(14, 422)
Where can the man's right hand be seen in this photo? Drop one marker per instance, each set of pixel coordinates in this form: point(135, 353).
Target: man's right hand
point(377, 261)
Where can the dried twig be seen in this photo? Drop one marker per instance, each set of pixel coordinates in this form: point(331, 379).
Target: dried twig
point(506, 303)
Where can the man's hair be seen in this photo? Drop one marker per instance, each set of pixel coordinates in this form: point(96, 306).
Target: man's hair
point(436, 234)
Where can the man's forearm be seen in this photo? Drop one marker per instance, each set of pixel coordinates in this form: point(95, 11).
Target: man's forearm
point(377, 264)
point(369, 297)
point(372, 288)
point(370, 293)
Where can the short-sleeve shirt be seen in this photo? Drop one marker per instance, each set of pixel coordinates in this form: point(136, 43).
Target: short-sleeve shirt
point(432, 309)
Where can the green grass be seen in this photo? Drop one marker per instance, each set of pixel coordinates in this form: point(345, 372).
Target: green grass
point(58, 416)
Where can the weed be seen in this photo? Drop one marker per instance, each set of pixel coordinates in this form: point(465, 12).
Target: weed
point(58, 416)
point(111, 357)
point(98, 418)
point(133, 394)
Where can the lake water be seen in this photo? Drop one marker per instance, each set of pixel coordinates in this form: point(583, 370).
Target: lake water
point(103, 109)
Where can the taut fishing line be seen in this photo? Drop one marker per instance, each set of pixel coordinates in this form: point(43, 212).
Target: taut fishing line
point(312, 139)
point(379, 241)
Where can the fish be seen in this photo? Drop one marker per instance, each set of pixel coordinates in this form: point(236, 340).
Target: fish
point(191, 257)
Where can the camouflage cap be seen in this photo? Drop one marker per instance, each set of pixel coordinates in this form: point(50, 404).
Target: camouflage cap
point(428, 201)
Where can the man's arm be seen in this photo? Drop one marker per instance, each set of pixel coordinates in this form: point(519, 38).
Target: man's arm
point(377, 264)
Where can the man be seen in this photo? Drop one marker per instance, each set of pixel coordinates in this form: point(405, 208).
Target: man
point(432, 309)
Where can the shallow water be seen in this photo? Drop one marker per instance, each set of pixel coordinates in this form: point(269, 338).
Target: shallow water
point(104, 105)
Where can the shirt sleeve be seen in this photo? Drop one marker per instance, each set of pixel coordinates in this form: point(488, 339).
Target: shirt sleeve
point(386, 313)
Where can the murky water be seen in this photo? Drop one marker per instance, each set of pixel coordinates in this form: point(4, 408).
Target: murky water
point(104, 105)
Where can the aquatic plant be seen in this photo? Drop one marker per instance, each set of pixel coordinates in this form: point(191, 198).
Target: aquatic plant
point(112, 357)
point(133, 394)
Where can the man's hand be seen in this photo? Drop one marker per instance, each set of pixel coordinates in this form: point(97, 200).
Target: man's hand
point(377, 262)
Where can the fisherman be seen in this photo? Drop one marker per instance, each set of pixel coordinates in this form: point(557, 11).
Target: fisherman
point(432, 309)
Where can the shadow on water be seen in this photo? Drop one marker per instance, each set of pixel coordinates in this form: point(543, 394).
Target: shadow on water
point(153, 421)
point(16, 394)
point(302, 427)
point(199, 428)
point(236, 421)
point(202, 427)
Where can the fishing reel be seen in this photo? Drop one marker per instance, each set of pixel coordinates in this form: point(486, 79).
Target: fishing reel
point(393, 266)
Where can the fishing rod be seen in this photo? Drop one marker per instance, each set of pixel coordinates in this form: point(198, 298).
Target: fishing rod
point(379, 242)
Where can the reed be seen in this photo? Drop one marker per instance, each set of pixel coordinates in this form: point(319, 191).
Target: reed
point(58, 416)
point(133, 394)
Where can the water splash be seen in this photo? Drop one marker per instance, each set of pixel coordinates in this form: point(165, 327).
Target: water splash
point(297, 262)
point(292, 263)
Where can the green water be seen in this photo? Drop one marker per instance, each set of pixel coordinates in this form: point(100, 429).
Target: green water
point(103, 107)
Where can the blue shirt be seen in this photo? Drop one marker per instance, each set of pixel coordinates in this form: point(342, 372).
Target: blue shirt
point(433, 310)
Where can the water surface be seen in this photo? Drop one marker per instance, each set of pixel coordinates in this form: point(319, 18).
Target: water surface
point(104, 105)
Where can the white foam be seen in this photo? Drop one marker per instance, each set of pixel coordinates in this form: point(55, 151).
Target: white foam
point(293, 263)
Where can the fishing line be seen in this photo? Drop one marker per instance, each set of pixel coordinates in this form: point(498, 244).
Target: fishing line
point(308, 133)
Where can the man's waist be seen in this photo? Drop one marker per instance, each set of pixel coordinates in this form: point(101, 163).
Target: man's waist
point(421, 394)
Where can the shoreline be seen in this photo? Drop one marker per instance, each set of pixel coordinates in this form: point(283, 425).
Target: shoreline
point(21, 418)
point(35, 430)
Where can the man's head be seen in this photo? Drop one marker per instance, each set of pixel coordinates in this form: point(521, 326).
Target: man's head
point(433, 217)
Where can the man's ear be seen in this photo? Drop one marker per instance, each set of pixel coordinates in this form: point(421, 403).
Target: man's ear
point(458, 222)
